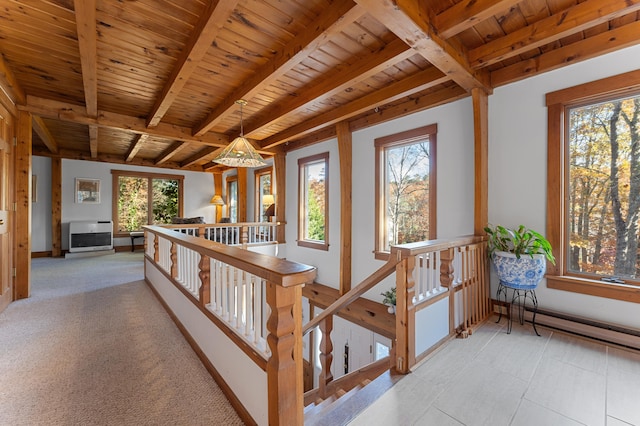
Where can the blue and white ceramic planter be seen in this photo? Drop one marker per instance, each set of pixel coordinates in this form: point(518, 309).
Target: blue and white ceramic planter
point(526, 272)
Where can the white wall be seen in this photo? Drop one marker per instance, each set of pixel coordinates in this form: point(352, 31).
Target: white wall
point(455, 185)
point(517, 168)
point(198, 189)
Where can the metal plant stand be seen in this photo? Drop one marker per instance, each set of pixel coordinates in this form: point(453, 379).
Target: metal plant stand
point(520, 295)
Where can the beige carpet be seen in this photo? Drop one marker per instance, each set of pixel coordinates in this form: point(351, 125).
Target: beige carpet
point(93, 346)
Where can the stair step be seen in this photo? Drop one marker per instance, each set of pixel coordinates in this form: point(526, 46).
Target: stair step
point(344, 409)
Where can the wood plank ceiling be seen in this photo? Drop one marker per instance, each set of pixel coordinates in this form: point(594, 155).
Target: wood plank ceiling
point(153, 82)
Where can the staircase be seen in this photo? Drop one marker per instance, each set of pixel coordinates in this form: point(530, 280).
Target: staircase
point(343, 406)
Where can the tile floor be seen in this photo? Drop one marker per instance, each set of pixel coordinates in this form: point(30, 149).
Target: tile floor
point(494, 378)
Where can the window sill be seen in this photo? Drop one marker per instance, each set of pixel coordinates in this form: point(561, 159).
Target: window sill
point(313, 245)
point(624, 292)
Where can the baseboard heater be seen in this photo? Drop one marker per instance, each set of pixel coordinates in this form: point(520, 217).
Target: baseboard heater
point(90, 235)
point(603, 332)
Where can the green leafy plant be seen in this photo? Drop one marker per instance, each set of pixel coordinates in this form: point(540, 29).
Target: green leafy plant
point(389, 297)
point(520, 241)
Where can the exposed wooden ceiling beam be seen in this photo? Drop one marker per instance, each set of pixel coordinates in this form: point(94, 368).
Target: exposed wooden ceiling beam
point(591, 47)
point(464, 15)
point(93, 140)
point(205, 32)
point(137, 143)
point(78, 114)
point(313, 138)
point(570, 21)
point(107, 158)
point(175, 148)
point(41, 129)
point(9, 83)
point(88, 43)
point(415, 83)
point(408, 20)
point(333, 21)
point(198, 156)
point(338, 81)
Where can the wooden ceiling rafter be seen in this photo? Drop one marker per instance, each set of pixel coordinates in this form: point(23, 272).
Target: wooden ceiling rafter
point(88, 44)
point(205, 33)
point(8, 81)
point(467, 13)
point(199, 155)
point(608, 41)
point(65, 111)
point(332, 21)
point(391, 54)
point(41, 129)
point(135, 147)
point(168, 153)
point(570, 21)
point(417, 82)
point(107, 158)
point(407, 20)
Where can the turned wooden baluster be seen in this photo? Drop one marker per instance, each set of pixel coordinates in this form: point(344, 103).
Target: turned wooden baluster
point(156, 252)
point(205, 288)
point(174, 260)
point(326, 356)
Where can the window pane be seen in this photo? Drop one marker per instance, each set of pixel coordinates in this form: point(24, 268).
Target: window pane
point(314, 201)
point(165, 200)
point(406, 193)
point(604, 188)
point(264, 185)
point(232, 195)
point(132, 203)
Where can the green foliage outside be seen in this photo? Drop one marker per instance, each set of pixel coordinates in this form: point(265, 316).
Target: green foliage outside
point(315, 214)
point(133, 202)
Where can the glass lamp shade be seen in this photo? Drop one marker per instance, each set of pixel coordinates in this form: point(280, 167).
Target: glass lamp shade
point(217, 200)
point(240, 153)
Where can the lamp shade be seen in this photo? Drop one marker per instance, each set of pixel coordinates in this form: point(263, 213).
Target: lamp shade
point(217, 200)
point(268, 199)
point(240, 153)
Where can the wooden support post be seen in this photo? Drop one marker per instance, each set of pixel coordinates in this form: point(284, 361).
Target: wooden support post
point(56, 207)
point(280, 167)
point(23, 206)
point(284, 368)
point(205, 279)
point(326, 356)
point(242, 194)
point(345, 152)
point(217, 190)
point(481, 154)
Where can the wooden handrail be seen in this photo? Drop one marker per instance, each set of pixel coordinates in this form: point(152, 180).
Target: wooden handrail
point(278, 271)
point(373, 279)
point(413, 249)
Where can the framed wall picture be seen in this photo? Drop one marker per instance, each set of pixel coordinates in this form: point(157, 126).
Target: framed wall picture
point(87, 191)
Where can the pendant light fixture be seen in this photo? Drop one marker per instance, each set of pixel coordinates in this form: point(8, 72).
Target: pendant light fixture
point(240, 152)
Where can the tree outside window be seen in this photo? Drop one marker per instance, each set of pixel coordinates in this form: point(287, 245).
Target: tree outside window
point(405, 205)
point(604, 188)
point(144, 198)
point(313, 201)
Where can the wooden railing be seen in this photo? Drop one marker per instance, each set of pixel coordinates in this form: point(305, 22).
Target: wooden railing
point(234, 234)
point(254, 299)
point(425, 272)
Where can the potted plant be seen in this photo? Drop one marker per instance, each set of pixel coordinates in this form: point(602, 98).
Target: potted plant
point(390, 300)
point(519, 255)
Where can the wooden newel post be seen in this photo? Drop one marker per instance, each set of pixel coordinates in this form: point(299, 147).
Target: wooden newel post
point(326, 356)
point(446, 280)
point(284, 368)
point(405, 315)
point(204, 267)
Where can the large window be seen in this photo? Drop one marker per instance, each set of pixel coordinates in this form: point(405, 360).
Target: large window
point(144, 198)
point(594, 160)
point(264, 194)
point(313, 204)
point(405, 188)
